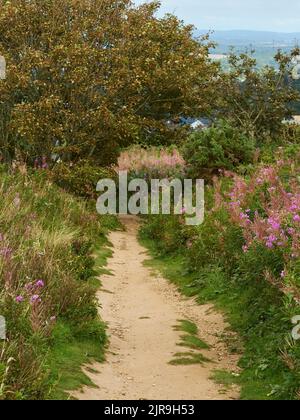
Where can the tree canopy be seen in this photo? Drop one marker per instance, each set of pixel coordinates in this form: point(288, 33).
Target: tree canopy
point(87, 77)
point(258, 101)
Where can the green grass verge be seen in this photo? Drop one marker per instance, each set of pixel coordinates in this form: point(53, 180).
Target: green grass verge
point(73, 347)
point(255, 312)
point(189, 358)
point(191, 341)
point(187, 327)
point(67, 357)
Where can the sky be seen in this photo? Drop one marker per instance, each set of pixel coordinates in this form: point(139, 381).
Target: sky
point(261, 15)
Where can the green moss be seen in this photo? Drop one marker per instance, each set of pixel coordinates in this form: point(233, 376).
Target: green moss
point(58, 238)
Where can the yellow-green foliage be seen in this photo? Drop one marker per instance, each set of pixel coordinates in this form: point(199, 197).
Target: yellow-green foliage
point(81, 178)
point(85, 77)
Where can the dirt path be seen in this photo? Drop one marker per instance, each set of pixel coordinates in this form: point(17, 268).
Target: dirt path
point(141, 311)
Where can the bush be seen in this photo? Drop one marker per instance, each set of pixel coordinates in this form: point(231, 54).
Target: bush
point(217, 148)
point(47, 275)
point(170, 233)
point(245, 258)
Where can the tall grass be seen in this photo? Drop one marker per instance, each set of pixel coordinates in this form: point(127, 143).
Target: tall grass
point(46, 273)
point(245, 258)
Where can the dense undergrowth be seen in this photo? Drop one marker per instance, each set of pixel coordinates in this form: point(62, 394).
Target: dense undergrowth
point(245, 258)
point(48, 283)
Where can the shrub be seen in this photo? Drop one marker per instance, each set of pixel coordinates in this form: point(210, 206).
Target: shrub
point(80, 178)
point(217, 148)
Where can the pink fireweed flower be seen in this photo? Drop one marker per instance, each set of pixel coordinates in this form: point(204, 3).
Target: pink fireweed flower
point(274, 223)
point(151, 162)
point(40, 284)
point(35, 299)
point(29, 287)
point(19, 299)
point(270, 241)
point(44, 163)
point(272, 238)
point(6, 252)
point(294, 208)
point(245, 248)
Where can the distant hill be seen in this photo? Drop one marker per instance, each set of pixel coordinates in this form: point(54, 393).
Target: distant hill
point(238, 37)
point(265, 44)
point(246, 38)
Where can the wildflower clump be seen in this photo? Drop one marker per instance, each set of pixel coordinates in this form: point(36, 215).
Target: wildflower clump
point(152, 163)
point(266, 208)
point(46, 264)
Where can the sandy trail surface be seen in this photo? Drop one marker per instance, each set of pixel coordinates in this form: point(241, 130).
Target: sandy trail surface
point(141, 310)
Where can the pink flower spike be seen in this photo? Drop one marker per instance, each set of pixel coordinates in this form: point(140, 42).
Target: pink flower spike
point(274, 224)
point(19, 299)
point(6, 252)
point(35, 299)
point(29, 287)
point(245, 248)
point(40, 284)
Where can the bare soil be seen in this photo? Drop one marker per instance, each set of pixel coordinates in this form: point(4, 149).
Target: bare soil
point(141, 310)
